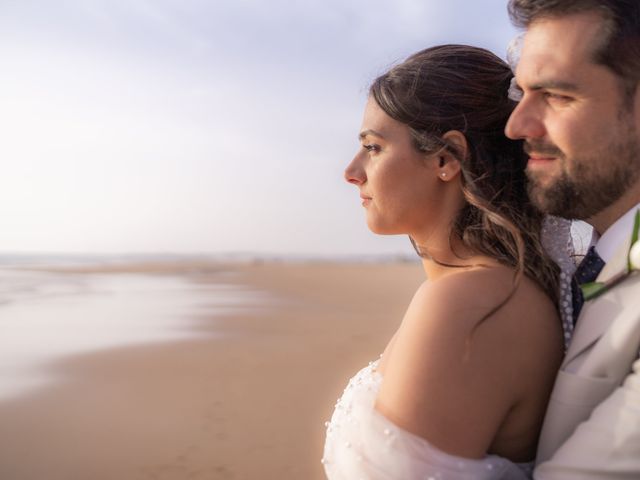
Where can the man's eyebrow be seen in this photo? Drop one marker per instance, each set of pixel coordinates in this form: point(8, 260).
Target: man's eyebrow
point(373, 133)
point(555, 85)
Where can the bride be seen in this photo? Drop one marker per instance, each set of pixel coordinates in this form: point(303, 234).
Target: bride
point(461, 388)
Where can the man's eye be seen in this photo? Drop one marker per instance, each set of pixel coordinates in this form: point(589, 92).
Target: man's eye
point(556, 97)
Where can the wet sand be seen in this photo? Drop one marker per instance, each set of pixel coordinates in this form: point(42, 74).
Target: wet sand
point(249, 402)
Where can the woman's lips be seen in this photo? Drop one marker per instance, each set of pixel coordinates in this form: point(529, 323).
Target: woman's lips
point(365, 200)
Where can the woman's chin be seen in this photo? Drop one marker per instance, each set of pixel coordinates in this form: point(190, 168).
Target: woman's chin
point(380, 229)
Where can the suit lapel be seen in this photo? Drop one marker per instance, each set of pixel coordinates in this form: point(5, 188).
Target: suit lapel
point(597, 314)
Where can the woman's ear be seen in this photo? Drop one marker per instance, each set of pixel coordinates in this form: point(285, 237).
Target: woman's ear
point(457, 142)
point(449, 158)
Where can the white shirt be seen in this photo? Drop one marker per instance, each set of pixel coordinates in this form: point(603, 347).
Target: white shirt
point(615, 235)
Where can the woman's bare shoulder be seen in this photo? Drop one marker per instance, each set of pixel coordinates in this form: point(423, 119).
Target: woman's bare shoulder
point(483, 322)
point(461, 299)
point(456, 360)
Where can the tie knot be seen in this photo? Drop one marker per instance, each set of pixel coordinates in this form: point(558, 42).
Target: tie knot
point(589, 267)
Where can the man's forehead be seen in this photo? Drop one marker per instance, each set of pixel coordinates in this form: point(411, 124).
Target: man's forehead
point(560, 45)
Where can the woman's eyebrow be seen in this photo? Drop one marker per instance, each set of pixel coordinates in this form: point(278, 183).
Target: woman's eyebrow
point(373, 133)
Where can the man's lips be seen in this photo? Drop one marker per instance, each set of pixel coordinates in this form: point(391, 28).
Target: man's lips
point(540, 160)
point(365, 200)
point(541, 154)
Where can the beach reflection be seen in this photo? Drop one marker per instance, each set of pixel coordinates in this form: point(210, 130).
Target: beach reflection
point(48, 315)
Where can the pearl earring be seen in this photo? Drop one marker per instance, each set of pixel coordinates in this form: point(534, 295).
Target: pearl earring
point(443, 175)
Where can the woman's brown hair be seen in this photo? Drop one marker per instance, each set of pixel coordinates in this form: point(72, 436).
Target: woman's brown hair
point(464, 88)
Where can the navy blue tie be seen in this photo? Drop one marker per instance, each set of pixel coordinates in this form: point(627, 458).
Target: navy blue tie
point(587, 271)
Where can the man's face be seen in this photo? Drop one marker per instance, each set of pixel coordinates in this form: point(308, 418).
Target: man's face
point(580, 131)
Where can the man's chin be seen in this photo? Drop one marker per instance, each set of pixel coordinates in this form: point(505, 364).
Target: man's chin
point(557, 200)
point(545, 200)
point(540, 202)
point(541, 178)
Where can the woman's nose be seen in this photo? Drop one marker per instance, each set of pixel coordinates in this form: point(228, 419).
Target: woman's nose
point(354, 173)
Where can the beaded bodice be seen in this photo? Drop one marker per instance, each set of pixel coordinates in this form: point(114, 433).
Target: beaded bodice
point(362, 444)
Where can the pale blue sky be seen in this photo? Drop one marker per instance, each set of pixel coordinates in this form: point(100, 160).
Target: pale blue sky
point(201, 126)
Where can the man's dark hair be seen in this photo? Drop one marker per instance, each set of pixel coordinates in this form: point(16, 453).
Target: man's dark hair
point(619, 48)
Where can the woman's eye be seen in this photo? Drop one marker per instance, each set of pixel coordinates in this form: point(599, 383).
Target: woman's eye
point(371, 147)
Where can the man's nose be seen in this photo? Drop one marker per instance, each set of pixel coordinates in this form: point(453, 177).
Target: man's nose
point(524, 122)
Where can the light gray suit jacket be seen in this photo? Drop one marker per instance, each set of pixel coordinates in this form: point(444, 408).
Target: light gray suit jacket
point(592, 425)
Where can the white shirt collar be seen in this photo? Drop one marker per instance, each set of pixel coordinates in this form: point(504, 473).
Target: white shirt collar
point(615, 235)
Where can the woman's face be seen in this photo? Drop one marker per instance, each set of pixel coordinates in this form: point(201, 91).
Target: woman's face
point(399, 186)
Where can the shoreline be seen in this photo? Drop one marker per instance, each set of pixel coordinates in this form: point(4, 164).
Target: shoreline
point(249, 403)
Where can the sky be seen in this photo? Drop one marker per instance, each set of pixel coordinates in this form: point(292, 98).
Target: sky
point(202, 127)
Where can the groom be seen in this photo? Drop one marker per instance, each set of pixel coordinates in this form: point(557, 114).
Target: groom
point(579, 117)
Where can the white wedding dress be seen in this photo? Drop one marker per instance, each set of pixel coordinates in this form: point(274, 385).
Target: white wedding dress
point(361, 444)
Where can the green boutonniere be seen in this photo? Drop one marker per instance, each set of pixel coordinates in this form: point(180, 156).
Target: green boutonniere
point(594, 289)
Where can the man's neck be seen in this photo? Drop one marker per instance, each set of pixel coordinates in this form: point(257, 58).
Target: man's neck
point(607, 217)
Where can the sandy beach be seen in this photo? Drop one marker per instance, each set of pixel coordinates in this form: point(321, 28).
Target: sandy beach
point(246, 398)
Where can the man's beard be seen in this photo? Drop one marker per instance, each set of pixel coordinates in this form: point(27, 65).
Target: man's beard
point(597, 181)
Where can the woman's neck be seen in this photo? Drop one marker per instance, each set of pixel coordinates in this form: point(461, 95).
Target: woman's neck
point(446, 256)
